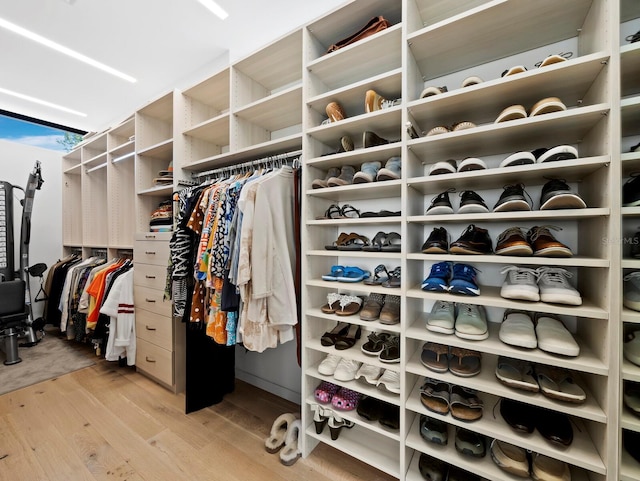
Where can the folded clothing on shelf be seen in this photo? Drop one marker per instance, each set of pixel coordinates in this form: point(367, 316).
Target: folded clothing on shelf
point(162, 218)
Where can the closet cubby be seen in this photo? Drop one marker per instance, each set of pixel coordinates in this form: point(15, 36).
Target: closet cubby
point(121, 185)
point(94, 152)
point(95, 221)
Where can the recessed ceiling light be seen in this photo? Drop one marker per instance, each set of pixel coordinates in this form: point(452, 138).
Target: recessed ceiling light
point(41, 102)
point(215, 8)
point(62, 49)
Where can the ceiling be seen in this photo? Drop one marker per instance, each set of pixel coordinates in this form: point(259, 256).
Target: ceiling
point(164, 44)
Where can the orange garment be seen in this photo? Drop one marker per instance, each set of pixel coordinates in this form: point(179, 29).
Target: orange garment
point(96, 290)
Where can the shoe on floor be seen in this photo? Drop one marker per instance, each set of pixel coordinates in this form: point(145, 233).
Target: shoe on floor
point(556, 194)
point(520, 283)
point(442, 317)
point(544, 244)
point(555, 288)
point(374, 101)
point(441, 204)
point(512, 242)
point(554, 337)
point(471, 322)
point(631, 296)
point(471, 203)
point(513, 199)
point(437, 242)
point(463, 280)
point(517, 329)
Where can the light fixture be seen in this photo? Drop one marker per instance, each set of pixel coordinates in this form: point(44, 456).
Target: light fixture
point(215, 8)
point(123, 157)
point(41, 102)
point(12, 27)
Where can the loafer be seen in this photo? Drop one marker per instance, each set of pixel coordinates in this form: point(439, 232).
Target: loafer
point(554, 337)
point(510, 458)
point(554, 426)
point(518, 415)
point(369, 408)
point(432, 469)
point(434, 430)
point(517, 329)
point(470, 443)
point(544, 468)
point(390, 416)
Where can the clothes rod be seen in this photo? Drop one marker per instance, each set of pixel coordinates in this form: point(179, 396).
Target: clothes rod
point(250, 163)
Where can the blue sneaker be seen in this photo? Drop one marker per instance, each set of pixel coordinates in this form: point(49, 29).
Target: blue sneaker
point(438, 279)
point(464, 280)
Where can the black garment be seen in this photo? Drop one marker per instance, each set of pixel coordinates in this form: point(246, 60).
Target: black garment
point(52, 315)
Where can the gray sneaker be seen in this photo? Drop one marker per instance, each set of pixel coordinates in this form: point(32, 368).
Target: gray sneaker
point(442, 317)
point(471, 322)
point(345, 178)
point(367, 173)
point(391, 170)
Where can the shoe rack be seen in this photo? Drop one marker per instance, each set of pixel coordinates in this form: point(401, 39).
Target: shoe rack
point(438, 44)
point(630, 163)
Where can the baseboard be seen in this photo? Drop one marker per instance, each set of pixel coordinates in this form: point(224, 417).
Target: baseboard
point(269, 386)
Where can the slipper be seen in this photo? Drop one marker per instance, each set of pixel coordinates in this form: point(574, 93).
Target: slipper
point(292, 449)
point(346, 399)
point(464, 362)
point(376, 243)
point(547, 106)
point(513, 112)
point(433, 430)
point(349, 305)
point(352, 274)
point(557, 383)
point(465, 404)
point(434, 395)
point(435, 357)
point(353, 242)
point(278, 434)
point(336, 271)
point(391, 242)
point(377, 279)
point(517, 374)
point(341, 238)
point(329, 307)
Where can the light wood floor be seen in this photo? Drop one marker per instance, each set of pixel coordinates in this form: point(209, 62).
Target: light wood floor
point(105, 423)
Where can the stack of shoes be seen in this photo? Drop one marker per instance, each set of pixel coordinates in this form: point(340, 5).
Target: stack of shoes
point(162, 218)
point(165, 177)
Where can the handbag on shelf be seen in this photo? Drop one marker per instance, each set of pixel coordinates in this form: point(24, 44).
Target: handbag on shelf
point(375, 25)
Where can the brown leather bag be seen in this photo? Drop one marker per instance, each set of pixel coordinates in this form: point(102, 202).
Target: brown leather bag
point(374, 25)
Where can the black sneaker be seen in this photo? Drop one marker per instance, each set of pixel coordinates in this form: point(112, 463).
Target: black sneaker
point(474, 240)
point(631, 191)
point(635, 148)
point(560, 152)
point(441, 204)
point(556, 194)
point(512, 198)
point(471, 203)
point(437, 242)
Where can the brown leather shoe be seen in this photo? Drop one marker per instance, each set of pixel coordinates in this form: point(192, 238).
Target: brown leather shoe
point(474, 240)
point(512, 242)
point(545, 244)
point(390, 313)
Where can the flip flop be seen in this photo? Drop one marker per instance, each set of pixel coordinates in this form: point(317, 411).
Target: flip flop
point(464, 362)
point(376, 243)
point(354, 242)
point(516, 374)
point(352, 274)
point(557, 383)
point(341, 238)
point(392, 242)
point(435, 357)
point(336, 271)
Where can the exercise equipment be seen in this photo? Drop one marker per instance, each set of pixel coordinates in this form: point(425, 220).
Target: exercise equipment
point(16, 313)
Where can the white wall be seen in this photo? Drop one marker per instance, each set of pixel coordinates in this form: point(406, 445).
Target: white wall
point(16, 163)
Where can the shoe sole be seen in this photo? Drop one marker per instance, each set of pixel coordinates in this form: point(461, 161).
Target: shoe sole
point(473, 209)
point(554, 252)
point(519, 158)
point(514, 293)
point(467, 291)
point(472, 337)
point(631, 304)
point(512, 205)
point(515, 251)
point(466, 250)
point(432, 288)
point(562, 152)
point(443, 210)
point(442, 330)
point(385, 174)
point(564, 201)
point(566, 298)
point(434, 250)
point(362, 178)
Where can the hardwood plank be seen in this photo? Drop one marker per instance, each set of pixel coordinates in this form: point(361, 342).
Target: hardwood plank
point(17, 461)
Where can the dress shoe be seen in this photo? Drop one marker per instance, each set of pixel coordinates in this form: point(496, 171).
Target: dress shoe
point(474, 240)
point(437, 242)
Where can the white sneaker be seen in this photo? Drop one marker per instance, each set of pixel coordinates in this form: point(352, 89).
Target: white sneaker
point(520, 283)
point(554, 287)
point(346, 370)
point(442, 317)
point(369, 373)
point(328, 365)
point(517, 329)
point(631, 297)
point(471, 322)
point(554, 337)
point(391, 381)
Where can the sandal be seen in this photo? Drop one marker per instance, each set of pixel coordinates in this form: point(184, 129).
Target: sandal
point(434, 395)
point(377, 279)
point(352, 274)
point(517, 374)
point(353, 242)
point(349, 305)
point(465, 404)
point(345, 399)
point(341, 238)
point(375, 343)
point(435, 357)
point(349, 338)
point(557, 383)
point(336, 271)
point(349, 212)
point(333, 212)
point(376, 243)
point(394, 278)
point(392, 242)
point(329, 308)
point(329, 337)
point(464, 362)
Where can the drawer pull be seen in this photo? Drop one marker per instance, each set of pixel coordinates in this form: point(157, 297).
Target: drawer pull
point(149, 359)
point(150, 277)
point(150, 300)
point(149, 236)
point(150, 253)
point(150, 328)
